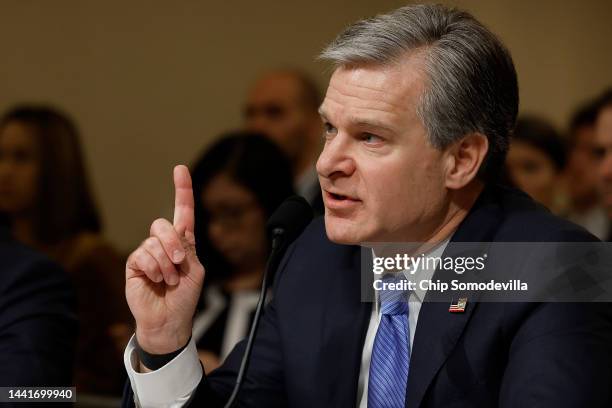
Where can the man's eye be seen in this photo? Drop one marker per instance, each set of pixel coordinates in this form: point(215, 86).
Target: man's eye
point(370, 138)
point(329, 128)
point(274, 111)
point(531, 166)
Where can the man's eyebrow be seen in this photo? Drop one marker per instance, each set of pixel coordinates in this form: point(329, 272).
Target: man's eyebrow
point(362, 122)
point(322, 113)
point(371, 123)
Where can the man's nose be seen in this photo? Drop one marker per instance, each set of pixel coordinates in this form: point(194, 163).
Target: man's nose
point(336, 159)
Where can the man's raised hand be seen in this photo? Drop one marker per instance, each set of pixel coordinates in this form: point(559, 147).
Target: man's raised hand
point(164, 276)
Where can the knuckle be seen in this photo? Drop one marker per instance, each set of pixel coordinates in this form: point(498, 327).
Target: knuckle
point(138, 256)
point(155, 247)
point(131, 261)
point(169, 241)
point(163, 259)
point(158, 226)
point(151, 264)
point(145, 261)
point(167, 269)
point(150, 243)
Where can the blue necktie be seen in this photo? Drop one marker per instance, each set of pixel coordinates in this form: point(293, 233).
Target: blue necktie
point(391, 351)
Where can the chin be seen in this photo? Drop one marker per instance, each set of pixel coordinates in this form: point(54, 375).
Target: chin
point(343, 231)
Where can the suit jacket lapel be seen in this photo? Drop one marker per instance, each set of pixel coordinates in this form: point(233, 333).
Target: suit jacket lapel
point(345, 326)
point(438, 330)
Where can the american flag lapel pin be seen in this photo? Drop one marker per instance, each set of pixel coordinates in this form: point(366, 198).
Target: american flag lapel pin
point(458, 306)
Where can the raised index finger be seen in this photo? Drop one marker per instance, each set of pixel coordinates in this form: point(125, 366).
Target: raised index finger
point(183, 200)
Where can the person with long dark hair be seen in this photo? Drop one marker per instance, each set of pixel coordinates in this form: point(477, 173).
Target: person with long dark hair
point(238, 182)
point(46, 203)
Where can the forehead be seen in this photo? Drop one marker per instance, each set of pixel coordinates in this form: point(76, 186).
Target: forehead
point(523, 150)
point(375, 88)
point(17, 133)
point(276, 88)
point(221, 187)
point(585, 134)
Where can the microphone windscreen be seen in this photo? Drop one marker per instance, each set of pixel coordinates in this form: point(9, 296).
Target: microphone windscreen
point(292, 216)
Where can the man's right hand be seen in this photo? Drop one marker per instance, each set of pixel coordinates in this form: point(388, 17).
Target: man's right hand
point(164, 276)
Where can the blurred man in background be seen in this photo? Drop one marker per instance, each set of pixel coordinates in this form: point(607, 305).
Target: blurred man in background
point(603, 141)
point(581, 173)
point(283, 105)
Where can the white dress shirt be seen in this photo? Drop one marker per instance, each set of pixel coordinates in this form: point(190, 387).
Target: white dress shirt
point(173, 384)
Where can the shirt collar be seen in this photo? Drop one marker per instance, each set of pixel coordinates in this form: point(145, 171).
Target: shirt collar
point(420, 274)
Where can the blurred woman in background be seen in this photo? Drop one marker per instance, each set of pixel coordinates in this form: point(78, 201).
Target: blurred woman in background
point(47, 203)
point(237, 184)
point(536, 160)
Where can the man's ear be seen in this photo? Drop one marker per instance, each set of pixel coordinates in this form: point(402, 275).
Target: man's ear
point(464, 158)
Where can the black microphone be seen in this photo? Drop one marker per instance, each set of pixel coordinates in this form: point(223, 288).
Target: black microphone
point(284, 226)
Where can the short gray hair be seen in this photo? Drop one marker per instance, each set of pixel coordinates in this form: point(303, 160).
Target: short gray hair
point(471, 80)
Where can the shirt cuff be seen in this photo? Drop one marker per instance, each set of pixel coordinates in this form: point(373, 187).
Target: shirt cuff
point(169, 386)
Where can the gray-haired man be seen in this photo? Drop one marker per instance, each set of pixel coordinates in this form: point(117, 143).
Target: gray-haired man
point(417, 118)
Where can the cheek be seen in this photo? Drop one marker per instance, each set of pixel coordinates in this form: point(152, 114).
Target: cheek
point(581, 160)
point(216, 235)
point(254, 236)
point(27, 179)
point(31, 176)
point(404, 188)
point(545, 178)
point(519, 176)
point(605, 169)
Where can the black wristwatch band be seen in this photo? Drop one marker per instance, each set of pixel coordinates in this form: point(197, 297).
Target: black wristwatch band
point(157, 361)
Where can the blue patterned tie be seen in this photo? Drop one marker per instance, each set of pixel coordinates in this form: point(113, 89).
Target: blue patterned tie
point(391, 351)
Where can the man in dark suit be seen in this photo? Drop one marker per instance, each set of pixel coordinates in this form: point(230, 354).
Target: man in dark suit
point(417, 119)
point(38, 326)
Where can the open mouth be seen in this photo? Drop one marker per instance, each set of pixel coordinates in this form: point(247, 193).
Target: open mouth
point(336, 201)
point(338, 196)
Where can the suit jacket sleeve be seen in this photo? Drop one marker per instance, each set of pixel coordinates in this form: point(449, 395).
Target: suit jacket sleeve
point(263, 385)
point(38, 326)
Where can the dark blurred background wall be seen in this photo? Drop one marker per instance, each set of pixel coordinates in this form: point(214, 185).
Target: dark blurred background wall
point(152, 82)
